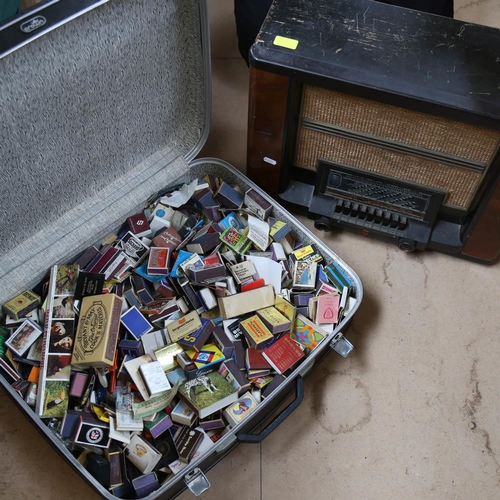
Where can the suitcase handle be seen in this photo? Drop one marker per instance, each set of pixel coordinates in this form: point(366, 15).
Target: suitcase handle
point(258, 438)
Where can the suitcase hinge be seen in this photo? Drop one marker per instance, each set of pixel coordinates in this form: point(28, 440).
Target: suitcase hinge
point(341, 345)
point(197, 482)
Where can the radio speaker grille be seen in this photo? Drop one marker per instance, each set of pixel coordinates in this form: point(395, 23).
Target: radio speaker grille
point(398, 124)
point(460, 182)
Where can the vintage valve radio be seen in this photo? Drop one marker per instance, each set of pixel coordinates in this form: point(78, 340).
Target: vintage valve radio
point(380, 119)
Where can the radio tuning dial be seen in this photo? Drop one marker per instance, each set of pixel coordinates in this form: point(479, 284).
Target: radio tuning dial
point(334, 180)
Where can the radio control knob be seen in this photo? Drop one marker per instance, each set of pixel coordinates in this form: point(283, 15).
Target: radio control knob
point(362, 212)
point(378, 216)
point(402, 222)
point(394, 220)
point(355, 209)
point(370, 214)
point(347, 207)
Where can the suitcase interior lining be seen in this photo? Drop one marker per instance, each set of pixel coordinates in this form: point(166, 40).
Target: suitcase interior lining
point(87, 102)
point(88, 223)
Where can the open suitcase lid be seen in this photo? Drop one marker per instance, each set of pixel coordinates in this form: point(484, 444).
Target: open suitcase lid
point(97, 115)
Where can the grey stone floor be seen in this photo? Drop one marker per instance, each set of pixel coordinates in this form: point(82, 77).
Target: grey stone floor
point(412, 413)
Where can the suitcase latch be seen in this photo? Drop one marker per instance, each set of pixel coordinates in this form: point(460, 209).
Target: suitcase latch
point(197, 482)
point(341, 345)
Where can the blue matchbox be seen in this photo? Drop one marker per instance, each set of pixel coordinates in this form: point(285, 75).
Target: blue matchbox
point(136, 323)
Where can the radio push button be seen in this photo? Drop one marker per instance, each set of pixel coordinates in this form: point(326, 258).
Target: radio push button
point(394, 220)
point(386, 218)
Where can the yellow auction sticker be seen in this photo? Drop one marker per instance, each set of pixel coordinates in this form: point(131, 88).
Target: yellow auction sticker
point(288, 43)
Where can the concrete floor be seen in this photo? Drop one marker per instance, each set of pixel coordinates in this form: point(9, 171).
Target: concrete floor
point(413, 412)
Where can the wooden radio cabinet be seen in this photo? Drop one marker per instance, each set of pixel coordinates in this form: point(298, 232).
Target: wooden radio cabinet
point(380, 119)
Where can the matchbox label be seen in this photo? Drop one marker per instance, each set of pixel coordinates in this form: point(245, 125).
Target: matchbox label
point(184, 326)
point(272, 315)
point(307, 254)
point(158, 257)
point(22, 304)
point(303, 252)
point(94, 435)
point(256, 330)
point(287, 309)
point(93, 328)
point(132, 247)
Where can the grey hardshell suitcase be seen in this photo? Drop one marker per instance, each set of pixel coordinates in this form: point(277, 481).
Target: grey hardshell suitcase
point(99, 115)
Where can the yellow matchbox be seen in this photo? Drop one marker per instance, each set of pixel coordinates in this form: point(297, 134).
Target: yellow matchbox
point(286, 308)
point(256, 332)
point(274, 320)
point(22, 304)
